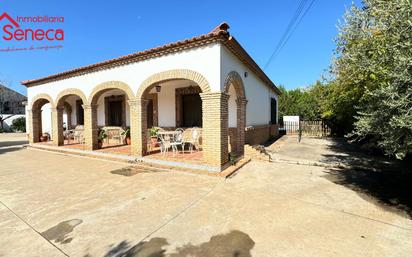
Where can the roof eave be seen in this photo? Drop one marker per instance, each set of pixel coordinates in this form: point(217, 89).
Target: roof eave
point(135, 57)
point(236, 48)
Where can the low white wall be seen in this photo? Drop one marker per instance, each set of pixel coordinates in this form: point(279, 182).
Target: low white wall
point(7, 123)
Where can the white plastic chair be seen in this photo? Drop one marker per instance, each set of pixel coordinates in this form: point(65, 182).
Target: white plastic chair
point(178, 140)
point(165, 142)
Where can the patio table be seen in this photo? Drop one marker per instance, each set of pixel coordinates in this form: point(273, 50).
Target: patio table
point(167, 137)
point(172, 133)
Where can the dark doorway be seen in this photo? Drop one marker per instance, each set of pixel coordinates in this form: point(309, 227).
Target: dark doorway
point(115, 113)
point(79, 112)
point(273, 109)
point(192, 110)
point(150, 113)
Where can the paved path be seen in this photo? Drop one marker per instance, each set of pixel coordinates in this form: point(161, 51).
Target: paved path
point(13, 139)
point(57, 205)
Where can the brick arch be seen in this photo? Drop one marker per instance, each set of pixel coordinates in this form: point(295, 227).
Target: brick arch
point(39, 100)
point(105, 86)
point(172, 75)
point(139, 130)
point(233, 78)
point(237, 135)
point(35, 119)
point(67, 92)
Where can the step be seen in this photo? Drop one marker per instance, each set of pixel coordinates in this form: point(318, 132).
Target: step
point(146, 164)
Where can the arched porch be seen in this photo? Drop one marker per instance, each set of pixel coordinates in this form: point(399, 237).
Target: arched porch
point(234, 87)
point(107, 113)
point(69, 117)
point(208, 111)
point(40, 117)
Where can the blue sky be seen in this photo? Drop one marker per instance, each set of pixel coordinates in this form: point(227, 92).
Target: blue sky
point(100, 30)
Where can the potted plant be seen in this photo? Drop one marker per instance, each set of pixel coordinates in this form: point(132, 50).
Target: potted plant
point(126, 134)
point(45, 137)
point(232, 158)
point(153, 136)
point(102, 135)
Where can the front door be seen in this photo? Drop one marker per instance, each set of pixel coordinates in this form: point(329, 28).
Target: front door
point(192, 110)
point(115, 113)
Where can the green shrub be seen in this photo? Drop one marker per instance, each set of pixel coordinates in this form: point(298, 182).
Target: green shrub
point(19, 124)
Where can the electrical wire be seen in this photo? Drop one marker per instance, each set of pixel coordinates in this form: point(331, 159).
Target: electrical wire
point(290, 29)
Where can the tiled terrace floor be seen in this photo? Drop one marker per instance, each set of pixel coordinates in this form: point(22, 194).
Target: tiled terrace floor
point(194, 157)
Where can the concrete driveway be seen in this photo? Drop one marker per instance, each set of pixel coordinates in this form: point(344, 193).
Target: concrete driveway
point(57, 205)
point(13, 139)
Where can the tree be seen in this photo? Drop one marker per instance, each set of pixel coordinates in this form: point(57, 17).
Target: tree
point(372, 92)
point(305, 102)
point(19, 124)
point(2, 119)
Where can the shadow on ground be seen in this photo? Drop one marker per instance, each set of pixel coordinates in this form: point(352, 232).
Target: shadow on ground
point(12, 143)
point(232, 244)
point(10, 149)
point(383, 181)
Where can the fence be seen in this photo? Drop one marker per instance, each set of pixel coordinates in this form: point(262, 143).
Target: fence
point(291, 127)
point(316, 128)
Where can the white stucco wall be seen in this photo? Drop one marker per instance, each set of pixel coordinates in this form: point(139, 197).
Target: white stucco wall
point(167, 101)
point(72, 101)
point(204, 60)
point(232, 107)
point(257, 92)
point(214, 62)
point(46, 119)
point(100, 107)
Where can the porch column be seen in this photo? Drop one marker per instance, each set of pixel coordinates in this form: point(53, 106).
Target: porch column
point(215, 128)
point(57, 126)
point(90, 126)
point(241, 124)
point(69, 119)
point(138, 126)
point(35, 125)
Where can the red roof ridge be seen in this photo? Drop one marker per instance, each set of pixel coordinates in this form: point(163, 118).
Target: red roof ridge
point(222, 27)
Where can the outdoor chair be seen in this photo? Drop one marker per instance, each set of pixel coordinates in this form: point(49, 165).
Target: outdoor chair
point(68, 135)
point(192, 138)
point(178, 140)
point(165, 142)
point(78, 134)
point(114, 133)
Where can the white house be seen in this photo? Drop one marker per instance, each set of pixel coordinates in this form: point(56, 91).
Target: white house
point(209, 82)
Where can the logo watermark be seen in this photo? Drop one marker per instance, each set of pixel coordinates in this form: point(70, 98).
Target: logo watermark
point(27, 29)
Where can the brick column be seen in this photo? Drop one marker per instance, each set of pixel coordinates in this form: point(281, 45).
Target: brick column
point(57, 126)
point(35, 126)
point(90, 126)
point(241, 124)
point(215, 128)
point(69, 119)
point(138, 126)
